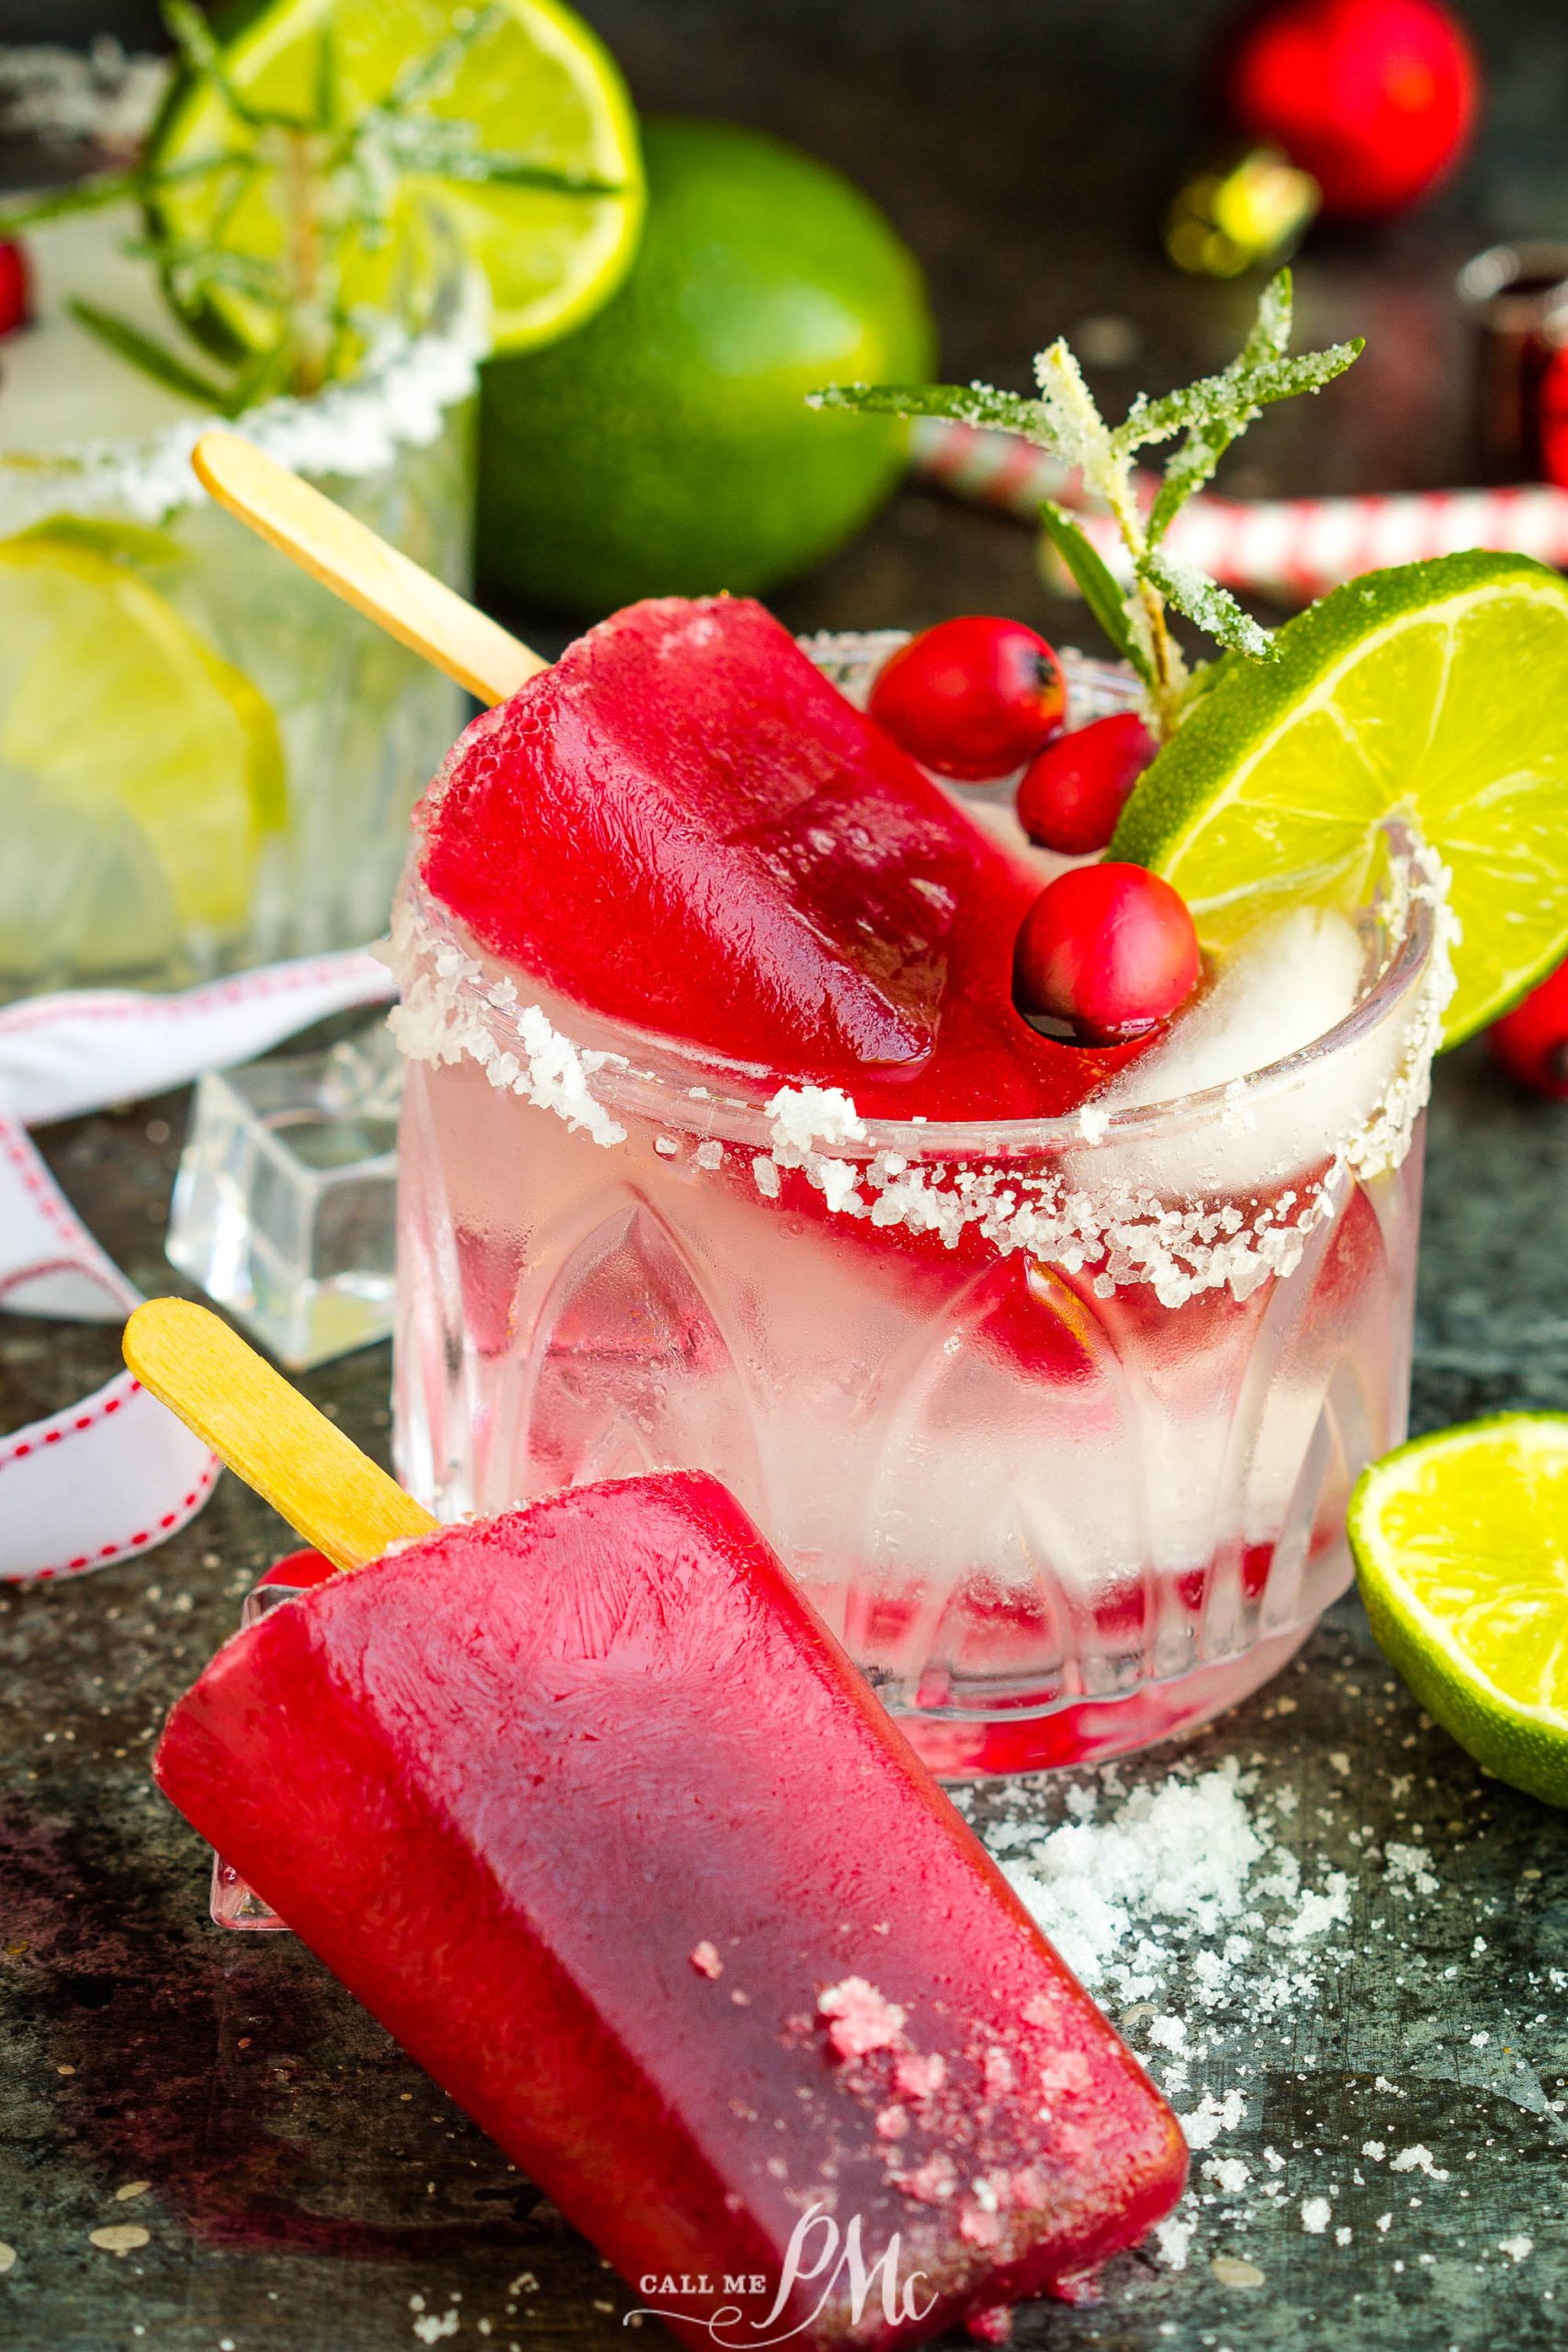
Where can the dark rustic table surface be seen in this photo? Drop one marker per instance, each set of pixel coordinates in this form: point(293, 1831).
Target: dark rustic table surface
point(278, 2173)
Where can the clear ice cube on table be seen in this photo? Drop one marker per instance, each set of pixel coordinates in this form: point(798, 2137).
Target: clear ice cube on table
point(283, 1208)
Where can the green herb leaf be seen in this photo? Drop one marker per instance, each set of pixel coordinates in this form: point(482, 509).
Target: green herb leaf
point(1074, 427)
point(59, 203)
point(1261, 373)
point(153, 358)
point(516, 171)
point(327, 105)
point(191, 269)
point(1203, 600)
point(202, 56)
point(1230, 400)
point(1097, 584)
point(967, 404)
point(1270, 334)
point(1194, 464)
point(432, 74)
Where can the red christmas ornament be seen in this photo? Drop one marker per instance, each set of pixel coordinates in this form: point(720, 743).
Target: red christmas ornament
point(1375, 98)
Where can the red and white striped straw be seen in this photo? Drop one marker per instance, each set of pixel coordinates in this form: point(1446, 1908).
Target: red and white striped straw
point(1289, 549)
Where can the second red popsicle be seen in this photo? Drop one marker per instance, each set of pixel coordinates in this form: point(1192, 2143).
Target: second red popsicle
point(588, 1808)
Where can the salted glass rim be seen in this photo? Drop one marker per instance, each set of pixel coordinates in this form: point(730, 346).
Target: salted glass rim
point(454, 330)
point(683, 1087)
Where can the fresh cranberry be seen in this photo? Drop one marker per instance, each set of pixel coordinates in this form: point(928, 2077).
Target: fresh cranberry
point(1106, 952)
point(971, 698)
point(16, 287)
point(1531, 1042)
point(1071, 794)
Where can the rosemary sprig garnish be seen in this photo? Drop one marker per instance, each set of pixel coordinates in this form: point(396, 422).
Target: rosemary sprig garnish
point(1206, 416)
point(335, 181)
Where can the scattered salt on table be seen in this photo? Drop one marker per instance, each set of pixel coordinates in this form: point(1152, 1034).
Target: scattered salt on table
point(1175, 1899)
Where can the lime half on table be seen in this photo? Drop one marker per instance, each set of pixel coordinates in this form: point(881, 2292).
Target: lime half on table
point(1436, 690)
point(535, 86)
point(1461, 1543)
point(138, 768)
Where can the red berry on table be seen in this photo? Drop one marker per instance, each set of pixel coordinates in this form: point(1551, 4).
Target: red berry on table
point(1071, 794)
point(1552, 418)
point(1531, 1042)
point(16, 287)
point(1375, 98)
point(971, 698)
point(1106, 952)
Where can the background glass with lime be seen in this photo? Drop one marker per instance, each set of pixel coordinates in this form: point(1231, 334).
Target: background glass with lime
point(205, 760)
point(206, 763)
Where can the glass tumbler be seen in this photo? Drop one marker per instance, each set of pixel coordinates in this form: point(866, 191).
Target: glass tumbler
point(1055, 1420)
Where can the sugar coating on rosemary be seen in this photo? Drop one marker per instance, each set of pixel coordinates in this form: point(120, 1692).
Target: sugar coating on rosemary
point(1205, 417)
point(1085, 1210)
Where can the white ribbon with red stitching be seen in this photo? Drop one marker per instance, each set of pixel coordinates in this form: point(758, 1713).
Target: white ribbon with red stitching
point(117, 1473)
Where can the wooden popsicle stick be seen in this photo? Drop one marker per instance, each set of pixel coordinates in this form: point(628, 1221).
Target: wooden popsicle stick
point(266, 1432)
point(410, 604)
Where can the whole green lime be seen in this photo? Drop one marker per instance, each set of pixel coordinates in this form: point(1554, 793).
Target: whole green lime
point(666, 448)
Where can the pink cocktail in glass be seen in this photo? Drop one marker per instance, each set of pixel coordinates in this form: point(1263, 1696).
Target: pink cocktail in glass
point(1055, 1418)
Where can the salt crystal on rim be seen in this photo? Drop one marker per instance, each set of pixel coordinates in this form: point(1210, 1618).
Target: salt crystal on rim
point(804, 1115)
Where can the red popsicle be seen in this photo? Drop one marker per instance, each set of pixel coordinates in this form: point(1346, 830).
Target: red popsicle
point(589, 1809)
point(684, 826)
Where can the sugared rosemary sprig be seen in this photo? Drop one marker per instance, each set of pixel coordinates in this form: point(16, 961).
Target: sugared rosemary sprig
point(1206, 417)
point(334, 180)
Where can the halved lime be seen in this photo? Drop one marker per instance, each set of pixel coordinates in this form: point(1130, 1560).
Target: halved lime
point(1440, 690)
point(536, 86)
point(138, 768)
point(1461, 1542)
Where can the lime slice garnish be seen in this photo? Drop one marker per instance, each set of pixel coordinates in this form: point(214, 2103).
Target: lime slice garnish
point(131, 755)
point(1461, 1542)
point(536, 85)
point(1435, 690)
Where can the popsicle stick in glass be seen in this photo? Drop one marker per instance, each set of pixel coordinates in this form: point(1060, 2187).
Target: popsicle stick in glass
point(409, 602)
point(685, 824)
point(589, 1809)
